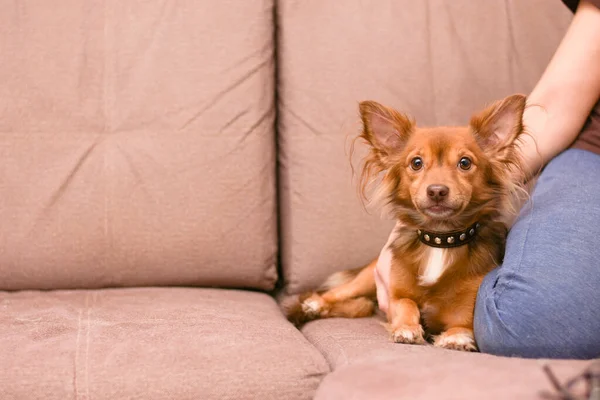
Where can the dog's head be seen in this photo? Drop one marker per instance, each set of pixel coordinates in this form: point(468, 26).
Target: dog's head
point(443, 176)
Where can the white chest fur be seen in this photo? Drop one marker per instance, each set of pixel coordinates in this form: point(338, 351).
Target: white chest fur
point(384, 261)
point(434, 265)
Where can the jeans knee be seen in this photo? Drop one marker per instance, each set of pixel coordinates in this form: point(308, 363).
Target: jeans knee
point(513, 324)
point(493, 334)
point(501, 322)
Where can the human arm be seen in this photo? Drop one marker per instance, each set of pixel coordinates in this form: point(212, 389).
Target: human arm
point(564, 96)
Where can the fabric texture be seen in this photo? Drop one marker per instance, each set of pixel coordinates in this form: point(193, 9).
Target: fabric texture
point(346, 342)
point(544, 301)
point(437, 61)
point(137, 144)
point(425, 373)
point(152, 343)
point(367, 365)
point(589, 137)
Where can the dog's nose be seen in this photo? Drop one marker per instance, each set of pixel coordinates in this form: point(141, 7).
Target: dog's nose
point(437, 192)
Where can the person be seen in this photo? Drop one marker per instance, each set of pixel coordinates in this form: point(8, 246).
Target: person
point(544, 300)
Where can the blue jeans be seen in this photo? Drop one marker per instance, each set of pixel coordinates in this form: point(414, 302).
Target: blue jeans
point(544, 301)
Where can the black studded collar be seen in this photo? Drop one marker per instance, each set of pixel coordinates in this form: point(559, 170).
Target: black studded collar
point(448, 239)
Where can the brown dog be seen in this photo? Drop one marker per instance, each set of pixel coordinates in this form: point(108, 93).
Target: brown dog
point(450, 190)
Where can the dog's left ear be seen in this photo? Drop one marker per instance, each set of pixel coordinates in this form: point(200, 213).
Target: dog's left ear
point(385, 130)
point(501, 123)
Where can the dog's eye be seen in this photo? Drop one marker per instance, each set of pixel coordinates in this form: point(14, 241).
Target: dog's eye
point(416, 163)
point(465, 163)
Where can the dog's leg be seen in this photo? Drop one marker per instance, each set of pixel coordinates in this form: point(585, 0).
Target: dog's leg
point(403, 315)
point(347, 297)
point(456, 339)
point(404, 322)
point(362, 285)
point(456, 316)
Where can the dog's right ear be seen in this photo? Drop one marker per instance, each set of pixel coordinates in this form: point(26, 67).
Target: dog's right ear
point(385, 129)
point(500, 124)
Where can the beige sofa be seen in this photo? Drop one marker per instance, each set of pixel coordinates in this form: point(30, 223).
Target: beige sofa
point(168, 168)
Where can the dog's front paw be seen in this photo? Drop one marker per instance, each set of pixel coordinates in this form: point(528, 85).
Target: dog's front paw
point(407, 334)
point(462, 340)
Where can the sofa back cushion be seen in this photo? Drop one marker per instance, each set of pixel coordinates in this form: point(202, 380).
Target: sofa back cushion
point(137, 144)
point(437, 60)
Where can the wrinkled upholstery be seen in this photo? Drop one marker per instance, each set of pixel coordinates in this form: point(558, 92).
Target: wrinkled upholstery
point(439, 61)
point(427, 373)
point(152, 343)
point(343, 342)
point(137, 144)
point(346, 342)
point(367, 365)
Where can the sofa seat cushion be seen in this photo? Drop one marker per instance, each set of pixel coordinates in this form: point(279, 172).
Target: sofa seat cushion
point(444, 374)
point(152, 343)
point(368, 366)
point(346, 341)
